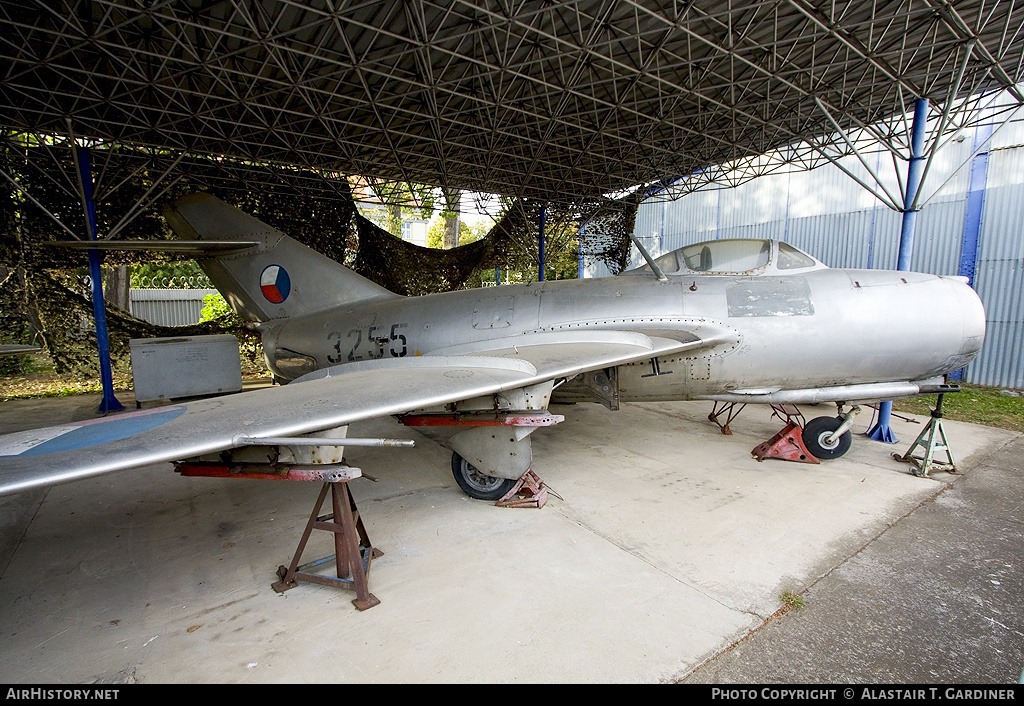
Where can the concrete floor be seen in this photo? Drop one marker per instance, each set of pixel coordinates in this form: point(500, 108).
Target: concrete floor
point(670, 545)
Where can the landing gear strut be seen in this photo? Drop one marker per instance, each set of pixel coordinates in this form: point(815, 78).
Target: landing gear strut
point(821, 438)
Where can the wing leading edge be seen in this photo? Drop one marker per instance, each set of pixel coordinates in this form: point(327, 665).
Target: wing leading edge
point(321, 400)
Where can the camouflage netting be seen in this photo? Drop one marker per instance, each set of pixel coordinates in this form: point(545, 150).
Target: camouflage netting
point(43, 298)
point(607, 230)
point(62, 313)
point(408, 269)
point(510, 246)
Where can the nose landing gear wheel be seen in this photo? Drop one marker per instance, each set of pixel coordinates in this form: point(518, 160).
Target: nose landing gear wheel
point(477, 485)
point(816, 434)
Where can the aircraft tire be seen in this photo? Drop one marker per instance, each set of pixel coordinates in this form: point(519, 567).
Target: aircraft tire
point(818, 430)
point(475, 484)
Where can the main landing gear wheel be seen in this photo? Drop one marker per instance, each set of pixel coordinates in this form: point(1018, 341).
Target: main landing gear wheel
point(477, 485)
point(816, 435)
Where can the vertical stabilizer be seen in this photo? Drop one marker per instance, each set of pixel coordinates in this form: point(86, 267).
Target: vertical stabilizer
point(276, 278)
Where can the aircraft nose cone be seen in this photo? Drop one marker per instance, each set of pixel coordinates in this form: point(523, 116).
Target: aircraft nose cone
point(973, 313)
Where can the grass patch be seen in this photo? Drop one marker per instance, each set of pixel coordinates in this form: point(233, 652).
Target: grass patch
point(793, 601)
point(974, 404)
point(40, 380)
point(35, 386)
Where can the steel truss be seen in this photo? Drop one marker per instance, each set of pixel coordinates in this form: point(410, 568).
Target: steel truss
point(556, 101)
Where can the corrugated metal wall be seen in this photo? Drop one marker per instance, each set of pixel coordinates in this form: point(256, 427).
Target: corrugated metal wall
point(829, 215)
point(999, 277)
point(168, 307)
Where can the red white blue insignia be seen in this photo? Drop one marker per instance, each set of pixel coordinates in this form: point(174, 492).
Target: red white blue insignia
point(275, 284)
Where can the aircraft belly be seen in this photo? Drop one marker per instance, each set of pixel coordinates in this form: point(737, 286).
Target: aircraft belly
point(638, 383)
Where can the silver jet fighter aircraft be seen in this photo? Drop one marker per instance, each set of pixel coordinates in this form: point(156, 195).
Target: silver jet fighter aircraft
point(748, 321)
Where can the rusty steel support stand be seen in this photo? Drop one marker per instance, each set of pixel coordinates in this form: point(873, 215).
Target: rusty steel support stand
point(731, 410)
point(787, 445)
point(529, 491)
point(353, 551)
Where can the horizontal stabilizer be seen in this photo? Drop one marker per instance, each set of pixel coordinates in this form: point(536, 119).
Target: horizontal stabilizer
point(187, 247)
point(277, 278)
point(16, 349)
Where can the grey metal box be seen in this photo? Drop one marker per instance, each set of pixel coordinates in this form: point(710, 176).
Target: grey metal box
point(186, 366)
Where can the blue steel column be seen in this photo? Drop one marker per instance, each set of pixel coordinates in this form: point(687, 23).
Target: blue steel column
point(580, 264)
point(975, 205)
point(109, 403)
point(973, 216)
point(540, 237)
point(881, 431)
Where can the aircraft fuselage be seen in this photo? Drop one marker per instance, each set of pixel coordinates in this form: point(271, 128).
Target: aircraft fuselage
point(810, 330)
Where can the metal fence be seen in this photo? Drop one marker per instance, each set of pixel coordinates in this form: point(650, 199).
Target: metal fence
point(168, 307)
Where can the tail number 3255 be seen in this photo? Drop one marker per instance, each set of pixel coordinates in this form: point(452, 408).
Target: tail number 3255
point(367, 344)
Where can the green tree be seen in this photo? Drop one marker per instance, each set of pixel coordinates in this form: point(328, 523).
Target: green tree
point(214, 307)
point(180, 275)
point(402, 201)
point(565, 263)
point(467, 233)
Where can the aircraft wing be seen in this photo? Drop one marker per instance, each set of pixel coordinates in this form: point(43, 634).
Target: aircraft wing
point(324, 399)
point(558, 354)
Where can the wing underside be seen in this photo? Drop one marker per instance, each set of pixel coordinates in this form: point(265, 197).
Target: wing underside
point(325, 399)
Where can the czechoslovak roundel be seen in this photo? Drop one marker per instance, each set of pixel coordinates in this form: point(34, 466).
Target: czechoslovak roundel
point(275, 284)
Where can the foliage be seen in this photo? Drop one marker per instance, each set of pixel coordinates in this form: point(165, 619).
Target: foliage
point(19, 388)
point(793, 601)
point(14, 328)
point(168, 274)
point(467, 233)
point(565, 263)
point(15, 365)
point(398, 203)
point(214, 307)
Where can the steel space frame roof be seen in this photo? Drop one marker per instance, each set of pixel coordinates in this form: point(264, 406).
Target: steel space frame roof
point(558, 101)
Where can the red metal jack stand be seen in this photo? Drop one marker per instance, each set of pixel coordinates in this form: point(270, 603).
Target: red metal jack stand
point(787, 445)
point(731, 410)
point(353, 551)
point(529, 491)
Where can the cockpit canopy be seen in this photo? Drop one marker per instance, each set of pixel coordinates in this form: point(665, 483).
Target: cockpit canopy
point(743, 256)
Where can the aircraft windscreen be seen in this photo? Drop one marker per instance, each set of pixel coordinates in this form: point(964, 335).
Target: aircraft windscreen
point(727, 255)
point(792, 259)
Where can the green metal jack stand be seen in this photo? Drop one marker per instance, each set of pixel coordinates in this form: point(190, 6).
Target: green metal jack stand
point(932, 439)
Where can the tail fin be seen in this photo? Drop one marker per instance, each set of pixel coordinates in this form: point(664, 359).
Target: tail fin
point(277, 277)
